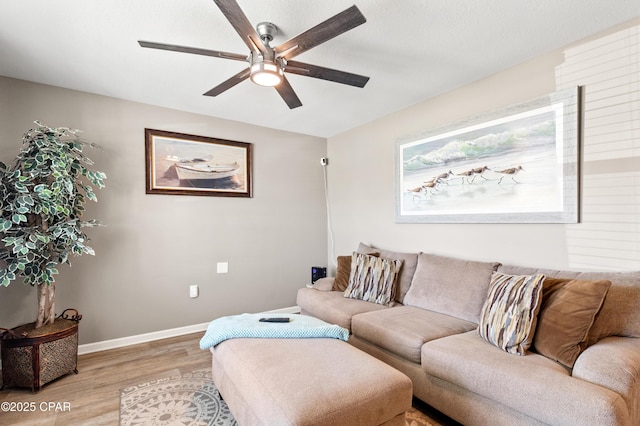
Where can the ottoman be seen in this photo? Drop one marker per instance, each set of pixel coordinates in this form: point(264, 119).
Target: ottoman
point(315, 381)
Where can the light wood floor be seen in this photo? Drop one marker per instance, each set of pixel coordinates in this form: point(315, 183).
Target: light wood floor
point(93, 395)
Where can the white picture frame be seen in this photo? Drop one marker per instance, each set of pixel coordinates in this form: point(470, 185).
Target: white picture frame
point(520, 164)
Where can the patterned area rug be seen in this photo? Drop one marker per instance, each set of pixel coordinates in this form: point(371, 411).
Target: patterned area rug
point(192, 399)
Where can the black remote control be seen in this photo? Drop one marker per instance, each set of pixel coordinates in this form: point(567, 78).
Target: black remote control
point(275, 319)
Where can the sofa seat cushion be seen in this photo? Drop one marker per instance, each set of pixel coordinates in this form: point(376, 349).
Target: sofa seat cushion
point(332, 306)
point(403, 330)
point(612, 363)
point(469, 362)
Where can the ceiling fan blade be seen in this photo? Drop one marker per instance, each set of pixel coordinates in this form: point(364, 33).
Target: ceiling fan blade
point(332, 27)
point(194, 50)
point(288, 95)
point(238, 20)
point(228, 84)
point(315, 71)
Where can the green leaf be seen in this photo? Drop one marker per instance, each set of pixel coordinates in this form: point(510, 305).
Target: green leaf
point(44, 238)
point(28, 200)
point(9, 240)
point(20, 187)
point(17, 218)
point(5, 225)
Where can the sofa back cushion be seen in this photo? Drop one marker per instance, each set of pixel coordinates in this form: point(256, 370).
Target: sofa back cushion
point(408, 269)
point(450, 286)
point(619, 315)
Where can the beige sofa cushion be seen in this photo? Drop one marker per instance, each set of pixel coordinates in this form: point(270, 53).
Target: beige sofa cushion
point(619, 315)
point(608, 364)
point(450, 286)
point(533, 384)
point(324, 284)
point(332, 306)
point(403, 330)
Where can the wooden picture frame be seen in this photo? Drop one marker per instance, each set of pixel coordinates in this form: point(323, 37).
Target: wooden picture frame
point(520, 164)
point(182, 164)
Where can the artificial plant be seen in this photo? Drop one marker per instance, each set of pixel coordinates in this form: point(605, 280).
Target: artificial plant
point(42, 199)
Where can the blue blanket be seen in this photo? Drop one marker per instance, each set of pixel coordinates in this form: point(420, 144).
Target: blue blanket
point(248, 325)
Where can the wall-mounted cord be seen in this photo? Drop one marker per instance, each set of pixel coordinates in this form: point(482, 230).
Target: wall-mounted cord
point(324, 162)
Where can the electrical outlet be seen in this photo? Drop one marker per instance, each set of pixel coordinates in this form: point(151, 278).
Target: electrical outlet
point(324, 161)
point(223, 267)
point(193, 291)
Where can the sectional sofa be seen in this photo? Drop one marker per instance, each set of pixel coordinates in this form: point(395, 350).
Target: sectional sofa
point(487, 343)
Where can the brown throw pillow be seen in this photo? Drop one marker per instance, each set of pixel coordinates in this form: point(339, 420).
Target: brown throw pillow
point(342, 273)
point(567, 313)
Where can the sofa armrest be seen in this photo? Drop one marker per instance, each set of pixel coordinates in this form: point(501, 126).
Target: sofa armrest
point(614, 363)
point(324, 284)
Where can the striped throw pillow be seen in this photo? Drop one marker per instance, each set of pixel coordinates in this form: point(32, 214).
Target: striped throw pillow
point(373, 279)
point(509, 315)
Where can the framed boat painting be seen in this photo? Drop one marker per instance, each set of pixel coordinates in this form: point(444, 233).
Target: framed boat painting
point(516, 165)
point(181, 164)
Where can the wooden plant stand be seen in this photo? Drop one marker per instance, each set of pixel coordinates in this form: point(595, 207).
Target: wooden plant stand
point(33, 357)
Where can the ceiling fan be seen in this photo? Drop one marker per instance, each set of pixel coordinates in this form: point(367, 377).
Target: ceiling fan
point(268, 64)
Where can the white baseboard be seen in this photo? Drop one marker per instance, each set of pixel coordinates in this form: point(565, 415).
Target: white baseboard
point(158, 335)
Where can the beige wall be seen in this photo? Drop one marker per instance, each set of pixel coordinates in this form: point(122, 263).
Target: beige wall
point(155, 246)
point(361, 168)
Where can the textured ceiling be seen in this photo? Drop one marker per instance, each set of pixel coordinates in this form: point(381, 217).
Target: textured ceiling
point(411, 49)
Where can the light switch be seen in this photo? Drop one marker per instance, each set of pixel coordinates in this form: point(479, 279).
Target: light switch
point(223, 267)
point(193, 291)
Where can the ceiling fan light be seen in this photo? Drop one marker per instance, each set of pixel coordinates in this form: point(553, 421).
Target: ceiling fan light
point(266, 74)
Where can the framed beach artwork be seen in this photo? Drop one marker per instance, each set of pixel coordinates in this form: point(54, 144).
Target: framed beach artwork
point(516, 165)
point(181, 164)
